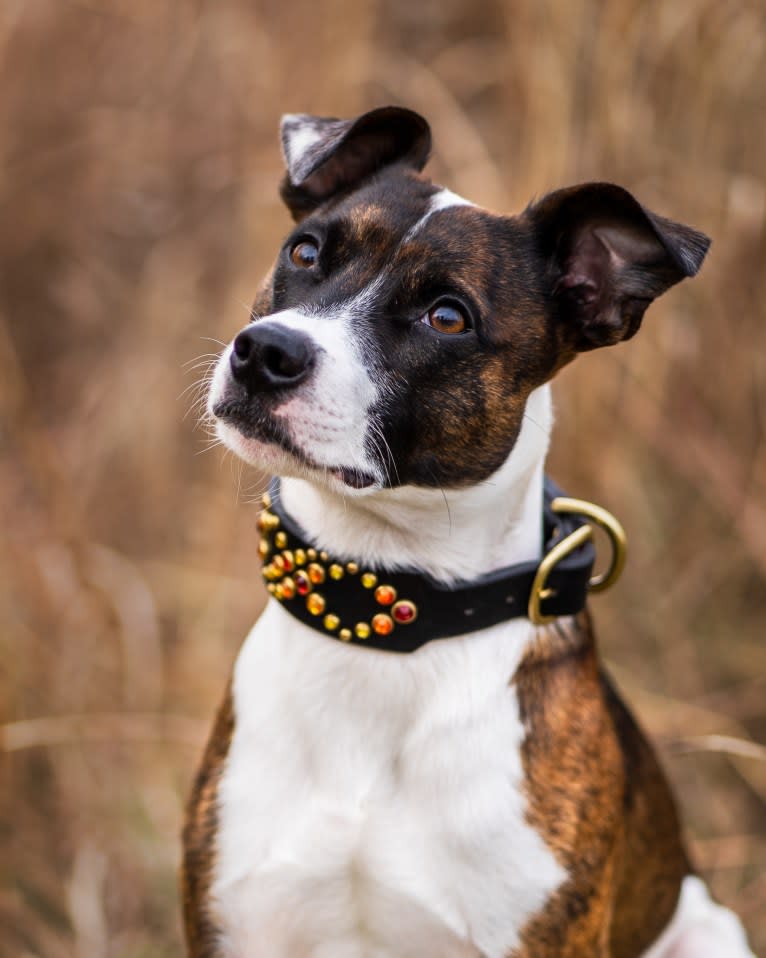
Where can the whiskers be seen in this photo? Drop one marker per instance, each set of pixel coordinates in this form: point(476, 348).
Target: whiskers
point(196, 392)
point(383, 452)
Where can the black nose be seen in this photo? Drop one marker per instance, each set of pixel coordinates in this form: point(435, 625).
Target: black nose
point(268, 356)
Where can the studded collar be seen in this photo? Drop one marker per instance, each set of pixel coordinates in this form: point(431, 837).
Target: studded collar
point(400, 611)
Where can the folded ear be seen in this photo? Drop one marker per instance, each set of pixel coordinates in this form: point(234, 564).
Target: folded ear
point(325, 156)
point(609, 258)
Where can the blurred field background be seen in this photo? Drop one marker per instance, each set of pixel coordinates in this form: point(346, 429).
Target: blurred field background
point(139, 164)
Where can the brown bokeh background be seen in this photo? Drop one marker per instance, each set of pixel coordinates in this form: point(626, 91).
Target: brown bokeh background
point(139, 164)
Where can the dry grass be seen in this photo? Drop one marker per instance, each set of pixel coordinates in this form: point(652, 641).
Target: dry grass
point(138, 172)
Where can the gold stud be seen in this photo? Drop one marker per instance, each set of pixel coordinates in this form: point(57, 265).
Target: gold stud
point(279, 592)
point(315, 603)
point(268, 522)
point(266, 500)
point(316, 573)
point(352, 568)
point(300, 557)
point(280, 540)
point(270, 587)
point(279, 563)
point(382, 624)
point(369, 580)
point(323, 556)
point(331, 622)
point(311, 553)
point(336, 571)
point(362, 630)
point(271, 572)
point(264, 548)
point(345, 634)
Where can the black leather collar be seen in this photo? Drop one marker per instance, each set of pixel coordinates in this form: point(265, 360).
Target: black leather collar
point(401, 611)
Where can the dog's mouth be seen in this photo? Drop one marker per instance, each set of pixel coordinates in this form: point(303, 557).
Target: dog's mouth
point(262, 427)
point(355, 478)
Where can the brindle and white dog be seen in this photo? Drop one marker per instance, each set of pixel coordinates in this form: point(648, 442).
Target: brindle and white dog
point(488, 794)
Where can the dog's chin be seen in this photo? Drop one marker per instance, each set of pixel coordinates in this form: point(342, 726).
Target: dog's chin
point(269, 456)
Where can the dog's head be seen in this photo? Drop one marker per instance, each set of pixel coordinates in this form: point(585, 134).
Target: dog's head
point(402, 329)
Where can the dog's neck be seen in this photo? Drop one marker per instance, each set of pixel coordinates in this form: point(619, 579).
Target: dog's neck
point(449, 534)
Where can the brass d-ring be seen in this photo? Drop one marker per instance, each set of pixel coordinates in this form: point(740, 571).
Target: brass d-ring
point(540, 590)
point(613, 529)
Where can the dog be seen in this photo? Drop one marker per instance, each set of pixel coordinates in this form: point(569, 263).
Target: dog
point(419, 753)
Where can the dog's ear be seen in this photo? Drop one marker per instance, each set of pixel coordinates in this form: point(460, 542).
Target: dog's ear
point(609, 258)
point(325, 156)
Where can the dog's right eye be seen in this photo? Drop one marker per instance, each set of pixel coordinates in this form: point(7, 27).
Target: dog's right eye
point(305, 254)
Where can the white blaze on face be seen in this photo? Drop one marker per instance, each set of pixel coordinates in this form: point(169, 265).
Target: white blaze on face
point(442, 200)
point(326, 417)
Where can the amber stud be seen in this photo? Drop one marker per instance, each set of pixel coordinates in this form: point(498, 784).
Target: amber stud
point(315, 603)
point(316, 573)
point(382, 624)
point(385, 595)
point(288, 587)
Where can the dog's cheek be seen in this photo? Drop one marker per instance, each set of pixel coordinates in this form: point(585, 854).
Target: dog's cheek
point(459, 428)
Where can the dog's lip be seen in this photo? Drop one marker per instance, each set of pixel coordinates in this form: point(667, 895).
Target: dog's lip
point(266, 429)
point(356, 478)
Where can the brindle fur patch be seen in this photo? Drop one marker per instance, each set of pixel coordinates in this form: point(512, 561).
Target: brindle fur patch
point(600, 801)
point(199, 838)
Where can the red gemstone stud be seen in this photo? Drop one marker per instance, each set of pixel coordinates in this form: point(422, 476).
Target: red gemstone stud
point(404, 612)
point(302, 583)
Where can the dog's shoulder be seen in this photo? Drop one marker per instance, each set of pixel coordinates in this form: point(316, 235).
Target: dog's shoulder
point(594, 783)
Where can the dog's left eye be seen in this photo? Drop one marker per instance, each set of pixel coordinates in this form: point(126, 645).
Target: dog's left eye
point(446, 318)
point(305, 254)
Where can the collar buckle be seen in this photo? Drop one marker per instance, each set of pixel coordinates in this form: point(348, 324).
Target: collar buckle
point(598, 583)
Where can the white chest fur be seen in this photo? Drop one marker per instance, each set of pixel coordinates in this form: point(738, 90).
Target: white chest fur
point(372, 805)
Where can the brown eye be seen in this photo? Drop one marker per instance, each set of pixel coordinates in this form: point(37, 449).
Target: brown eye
point(445, 318)
point(305, 254)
